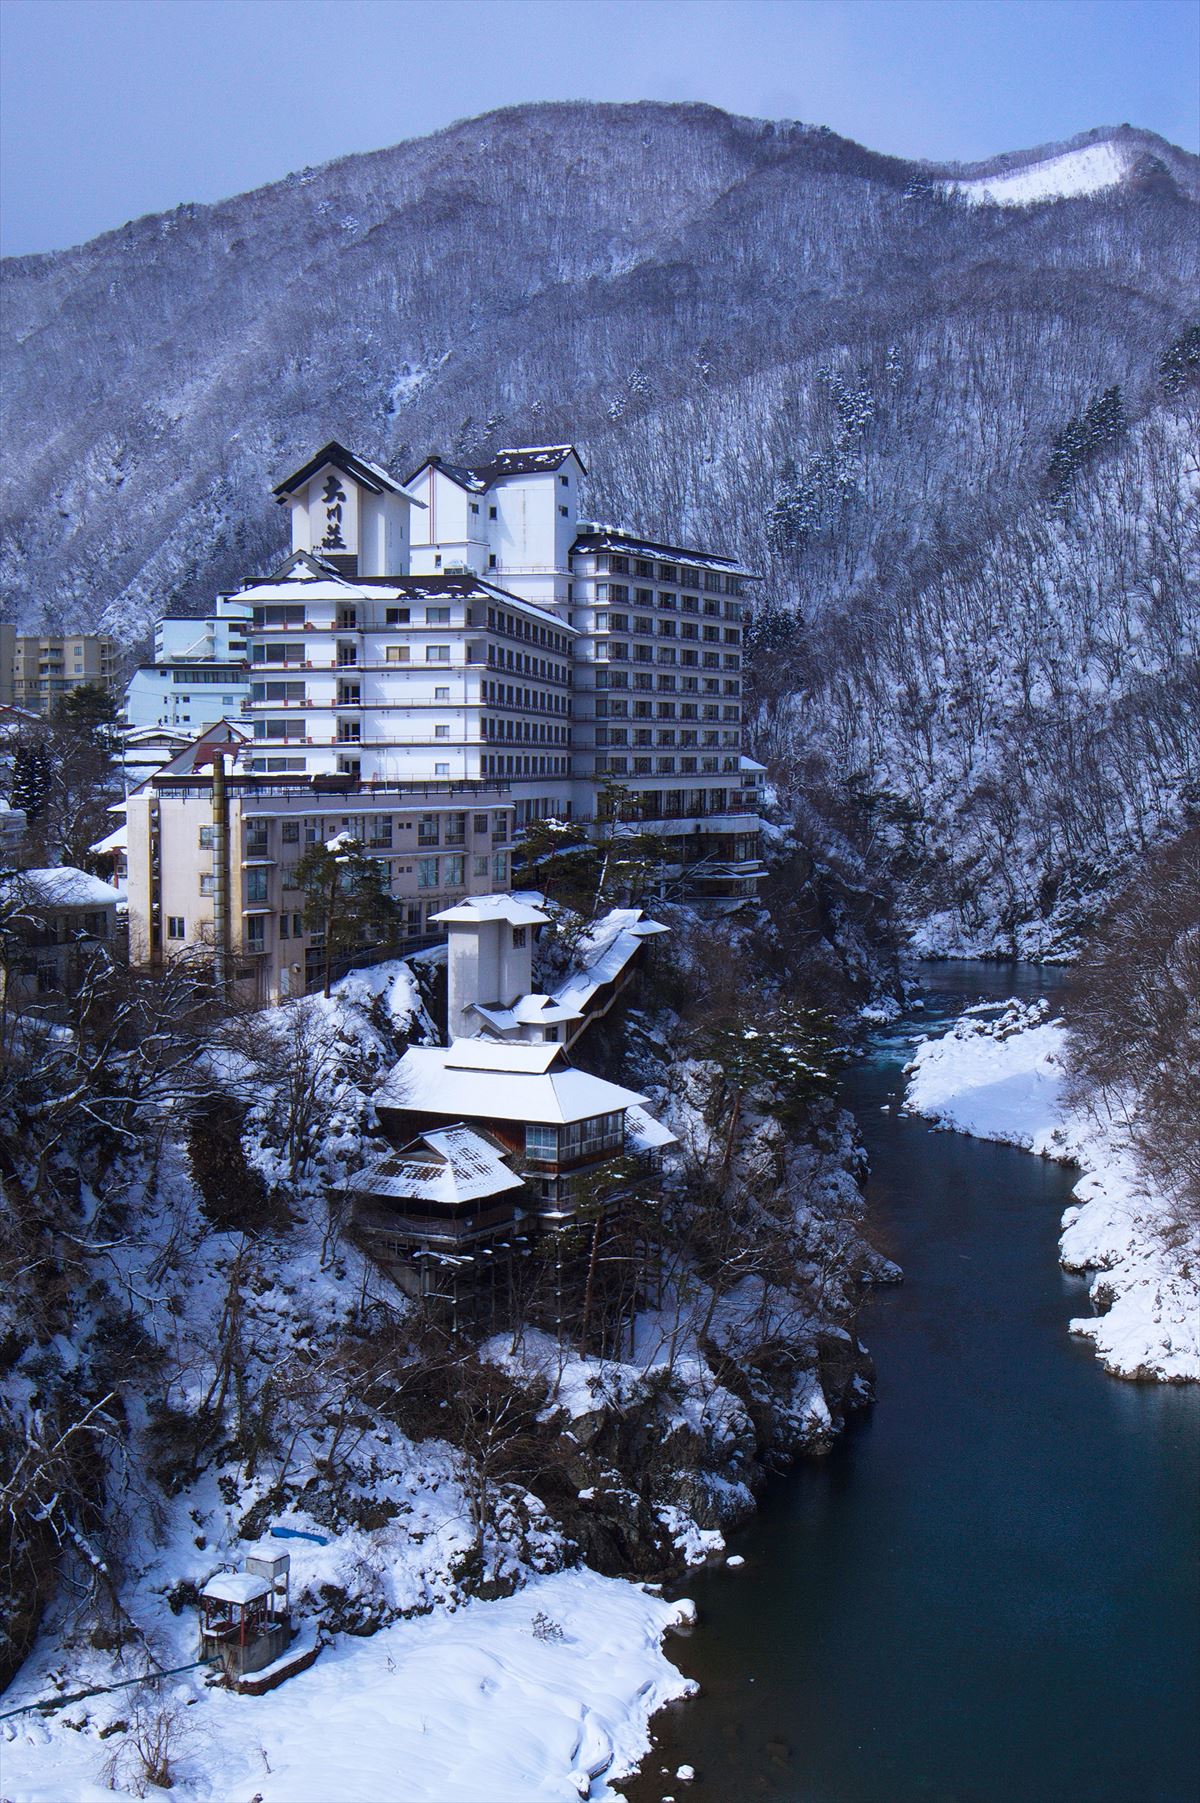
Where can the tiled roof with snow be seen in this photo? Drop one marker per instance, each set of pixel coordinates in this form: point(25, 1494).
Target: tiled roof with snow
point(645, 1133)
point(516, 460)
point(372, 476)
point(483, 1079)
point(477, 909)
point(62, 886)
point(451, 1164)
point(612, 942)
point(592, 537)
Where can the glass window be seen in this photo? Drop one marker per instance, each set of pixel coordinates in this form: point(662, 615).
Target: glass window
point(289, 832)
point(256, 885)
point(541, 1143)
point(427, 873)
point(437, 654)
point(176, 928)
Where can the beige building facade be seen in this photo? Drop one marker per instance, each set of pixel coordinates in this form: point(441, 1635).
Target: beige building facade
point(46, 668)
point(438, 842)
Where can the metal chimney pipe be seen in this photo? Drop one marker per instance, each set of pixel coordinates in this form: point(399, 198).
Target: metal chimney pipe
point(220, 813)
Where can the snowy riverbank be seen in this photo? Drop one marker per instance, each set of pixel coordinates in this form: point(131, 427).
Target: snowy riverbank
point(545, 1695)
point(999, 1074)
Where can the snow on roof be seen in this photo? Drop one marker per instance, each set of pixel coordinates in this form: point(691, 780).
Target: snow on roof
point(499, 1081)
point(483, 1054)
point(451, 1164)
point(477, 909)
point(610, 945)
point(117, 840)
point(531, 1010)
point(516, 460)
point(236, 1587)
point(645, 1132)
point(64, 887)
point(745, 763)
point(592, 536)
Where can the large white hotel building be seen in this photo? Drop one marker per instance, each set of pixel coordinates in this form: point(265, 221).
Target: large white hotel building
point(463, 638)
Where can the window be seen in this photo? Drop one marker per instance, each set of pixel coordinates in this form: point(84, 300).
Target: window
point(500, 869)
point(176, 927)
point(441, 732)
point(453, 876)
point(289, 832)
point(479, 823)
point(256, 885)
point(519, 936)
point(441, 769)
point(206, 838)
point(542, 1143)
point(396, 616)
point(492, 561)
point(564, 512)
point(474, 506)
point(565, 481)
point(395, 654)
point(256, 933)
point(437, 654)
point(437, 616)
point(492, 513)
point(208, 884)
point(480, 866)
point(427, 873)
point(441, 694)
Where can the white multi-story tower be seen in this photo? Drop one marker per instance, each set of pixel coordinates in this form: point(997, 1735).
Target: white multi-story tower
point(370, 672)
point(524, 646)
point(511, 520)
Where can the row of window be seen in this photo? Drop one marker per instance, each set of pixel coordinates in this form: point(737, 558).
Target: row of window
point(507, 694)
point(666, 735)
point(578, 1139)
point(663, 766)
point(606, 678)
point(616, 709)
point(625, 564)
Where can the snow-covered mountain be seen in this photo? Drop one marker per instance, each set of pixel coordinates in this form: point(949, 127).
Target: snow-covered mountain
point(761, 335)
point(1089, 164)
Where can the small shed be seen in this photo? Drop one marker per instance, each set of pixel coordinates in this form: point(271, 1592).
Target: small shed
point(241, 1626)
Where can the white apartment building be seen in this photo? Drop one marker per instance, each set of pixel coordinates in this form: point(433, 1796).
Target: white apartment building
point(199, 674)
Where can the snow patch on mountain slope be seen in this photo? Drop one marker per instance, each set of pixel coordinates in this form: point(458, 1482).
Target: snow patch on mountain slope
point(998, 1074)
point(1089, 170)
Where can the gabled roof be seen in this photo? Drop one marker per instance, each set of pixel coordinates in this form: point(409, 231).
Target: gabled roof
point(519, 460)
point(531, 1010)
point(478, 909)
point(369, 475)
point(448, 1165)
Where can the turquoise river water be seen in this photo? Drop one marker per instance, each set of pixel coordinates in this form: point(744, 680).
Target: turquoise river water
point(989, 1592)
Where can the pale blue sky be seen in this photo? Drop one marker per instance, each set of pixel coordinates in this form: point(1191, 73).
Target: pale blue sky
point(114, 108)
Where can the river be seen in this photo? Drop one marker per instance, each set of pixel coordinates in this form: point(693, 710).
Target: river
point(989, 1591)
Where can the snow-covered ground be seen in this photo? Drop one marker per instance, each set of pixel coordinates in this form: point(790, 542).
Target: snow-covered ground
point(999, 1074)
point(543, 1695)
point(1088, 170)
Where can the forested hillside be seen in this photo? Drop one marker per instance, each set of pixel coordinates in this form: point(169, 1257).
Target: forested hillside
point(957, 438)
